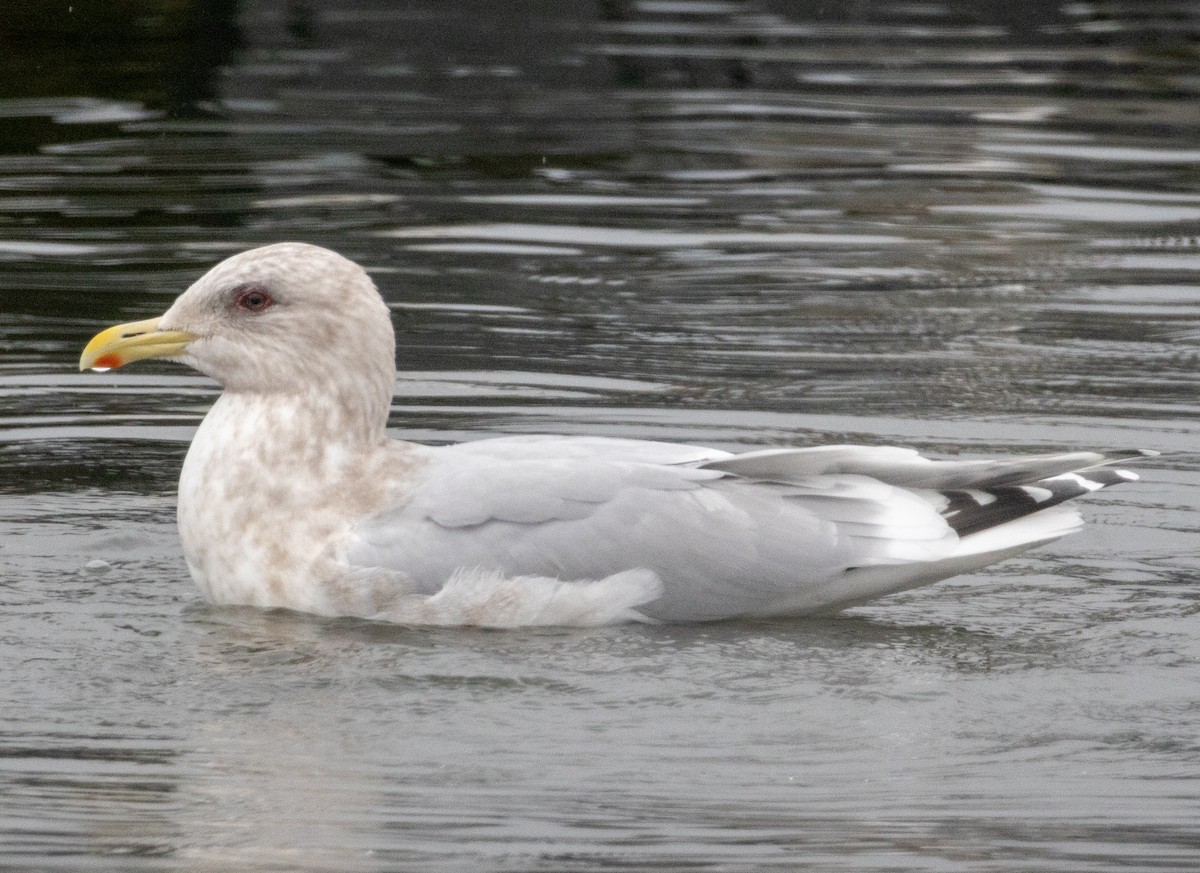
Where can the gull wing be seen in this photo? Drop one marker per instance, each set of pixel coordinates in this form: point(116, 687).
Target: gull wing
point(576, 510)
point(707, 534)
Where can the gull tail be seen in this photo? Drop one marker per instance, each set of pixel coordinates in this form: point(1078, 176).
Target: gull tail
point(993, 522)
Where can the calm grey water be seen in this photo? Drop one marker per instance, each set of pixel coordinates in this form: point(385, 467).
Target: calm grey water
point(963, 228)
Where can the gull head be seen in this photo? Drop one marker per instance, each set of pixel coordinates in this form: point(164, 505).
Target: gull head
point(282, 318)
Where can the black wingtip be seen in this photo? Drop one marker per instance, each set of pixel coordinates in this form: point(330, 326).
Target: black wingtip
point(972, 511)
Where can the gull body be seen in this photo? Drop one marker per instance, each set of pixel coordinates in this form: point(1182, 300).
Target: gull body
point(293, 496)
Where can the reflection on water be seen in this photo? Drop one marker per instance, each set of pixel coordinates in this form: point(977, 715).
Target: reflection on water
point(965, 228)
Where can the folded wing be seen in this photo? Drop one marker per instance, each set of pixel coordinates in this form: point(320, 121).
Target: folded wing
point(777, 532)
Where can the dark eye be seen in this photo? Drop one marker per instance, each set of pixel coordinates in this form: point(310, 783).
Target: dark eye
point(252, 298)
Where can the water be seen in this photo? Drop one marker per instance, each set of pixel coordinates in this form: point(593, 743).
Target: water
point(743, 224)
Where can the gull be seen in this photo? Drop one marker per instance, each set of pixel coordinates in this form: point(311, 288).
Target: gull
point(292, 494)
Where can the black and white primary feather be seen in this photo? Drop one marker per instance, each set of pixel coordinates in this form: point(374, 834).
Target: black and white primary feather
point(292, 494)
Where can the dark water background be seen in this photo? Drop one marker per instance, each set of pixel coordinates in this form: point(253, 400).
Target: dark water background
point(968, 227)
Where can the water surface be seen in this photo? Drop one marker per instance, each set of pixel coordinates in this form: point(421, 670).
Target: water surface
point(741, 224)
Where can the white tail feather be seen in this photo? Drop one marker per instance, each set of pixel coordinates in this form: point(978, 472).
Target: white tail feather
point(863, 584)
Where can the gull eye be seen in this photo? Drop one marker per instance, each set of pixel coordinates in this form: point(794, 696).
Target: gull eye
point(252, 298)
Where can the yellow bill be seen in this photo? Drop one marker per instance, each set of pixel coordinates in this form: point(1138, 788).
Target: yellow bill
point(119, 345)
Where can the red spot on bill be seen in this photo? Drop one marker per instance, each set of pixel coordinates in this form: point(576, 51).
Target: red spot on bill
point(107, 362)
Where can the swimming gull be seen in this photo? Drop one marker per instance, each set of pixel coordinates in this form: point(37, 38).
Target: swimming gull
point(292, 495)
